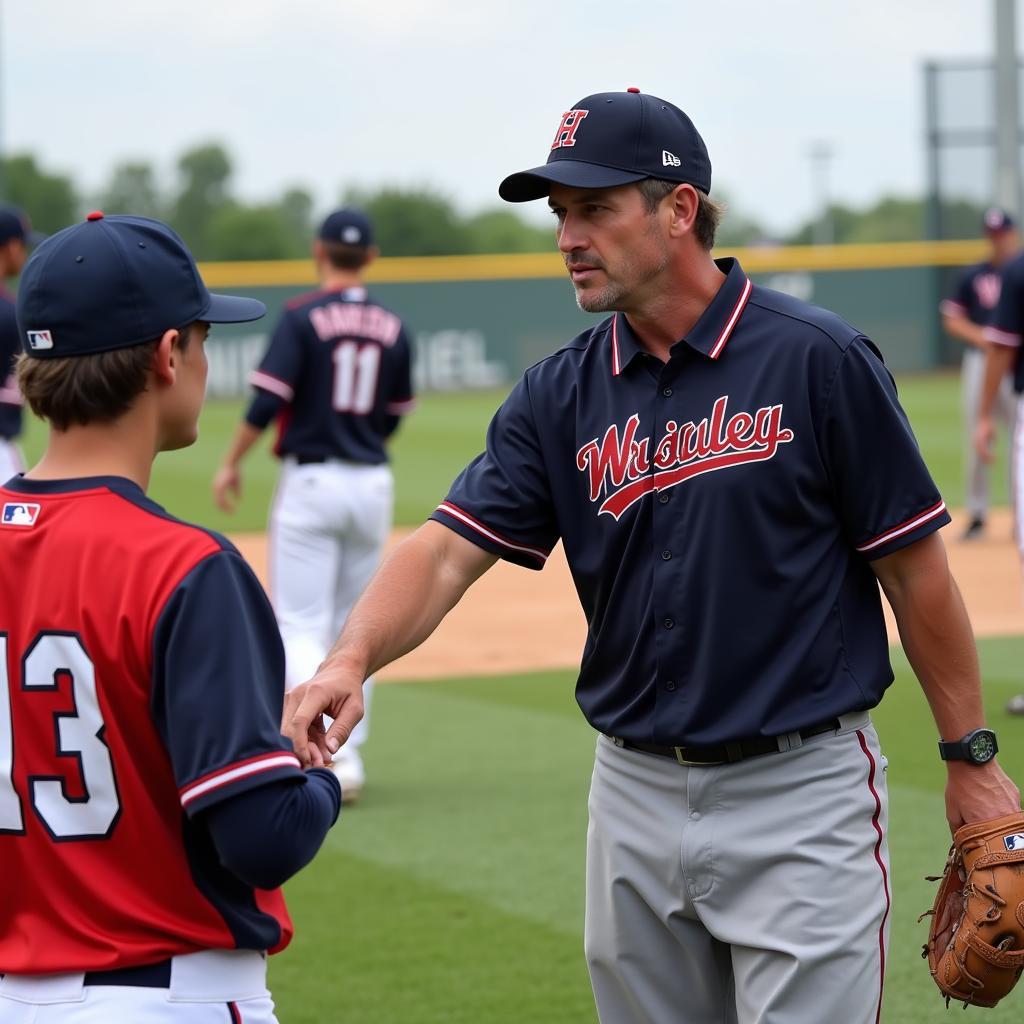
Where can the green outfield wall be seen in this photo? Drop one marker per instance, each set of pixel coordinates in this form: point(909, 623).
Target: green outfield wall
point(479, 321)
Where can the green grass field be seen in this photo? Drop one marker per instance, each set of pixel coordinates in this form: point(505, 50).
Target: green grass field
point(454, 892)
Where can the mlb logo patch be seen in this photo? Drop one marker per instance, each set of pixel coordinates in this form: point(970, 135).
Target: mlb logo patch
point(19, 513)
point(39, 340)
point(1015, 842)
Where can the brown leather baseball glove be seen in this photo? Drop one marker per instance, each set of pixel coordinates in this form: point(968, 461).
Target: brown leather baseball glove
point(975, 947)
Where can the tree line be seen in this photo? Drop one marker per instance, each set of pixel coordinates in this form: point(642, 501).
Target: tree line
point(409, 221)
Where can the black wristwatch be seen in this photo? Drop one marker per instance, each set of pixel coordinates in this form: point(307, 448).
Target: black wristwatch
point(978, 747)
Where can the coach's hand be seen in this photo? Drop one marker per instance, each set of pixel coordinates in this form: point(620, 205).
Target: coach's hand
point(336, 690)
point(978, 792)
point(227, 486)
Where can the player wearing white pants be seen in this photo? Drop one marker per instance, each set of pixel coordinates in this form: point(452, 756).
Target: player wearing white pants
point(328, 526)
point(977, 471)
point(211, 987)
point(337, 377)
point(965, 312)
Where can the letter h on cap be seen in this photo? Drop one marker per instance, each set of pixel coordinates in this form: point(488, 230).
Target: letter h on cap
point(566, 134)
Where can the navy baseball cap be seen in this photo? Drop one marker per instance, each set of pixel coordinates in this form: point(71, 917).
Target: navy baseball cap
point(14, 223)
point(996, 220)
point(350, 226)
point(113, 282)
point(613, 138)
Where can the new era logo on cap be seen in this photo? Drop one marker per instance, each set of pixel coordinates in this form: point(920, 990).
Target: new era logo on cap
point(19, 513)
point(38, 340)
point(670, 159)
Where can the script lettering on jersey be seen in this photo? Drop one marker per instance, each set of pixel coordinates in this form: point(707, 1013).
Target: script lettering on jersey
point(987, 288)
point(355, 320)
point(618, 466)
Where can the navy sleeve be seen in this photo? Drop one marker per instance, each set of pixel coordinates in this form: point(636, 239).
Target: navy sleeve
point(218, 684)
point(1007, 323)
point(281, 366)
point(502, 500)
point(10, 395)
point(958, 302)
point(266, 835)
point(882, 490)
point(263, 408)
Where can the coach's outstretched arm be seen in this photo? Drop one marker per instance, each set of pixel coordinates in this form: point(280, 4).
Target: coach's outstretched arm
point(408, 596)
point(939, 643)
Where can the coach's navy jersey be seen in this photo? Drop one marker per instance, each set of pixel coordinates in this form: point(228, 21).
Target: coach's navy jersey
point(10, 346)
point(337, 374)
point(719, 514)
point(975, 294)
point(1006, 326)
point(141, 682)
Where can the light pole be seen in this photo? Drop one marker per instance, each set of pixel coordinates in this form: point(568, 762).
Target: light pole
point(820, 154)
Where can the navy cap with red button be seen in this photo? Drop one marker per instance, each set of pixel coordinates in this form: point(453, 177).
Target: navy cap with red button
point(614, 138)
point(113, 282)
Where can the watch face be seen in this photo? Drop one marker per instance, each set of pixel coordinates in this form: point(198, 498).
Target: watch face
point(982, 746)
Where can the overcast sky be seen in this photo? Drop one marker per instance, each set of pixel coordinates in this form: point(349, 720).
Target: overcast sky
point(456, 94)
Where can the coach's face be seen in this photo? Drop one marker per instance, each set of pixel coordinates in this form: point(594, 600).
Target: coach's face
point(614, 248)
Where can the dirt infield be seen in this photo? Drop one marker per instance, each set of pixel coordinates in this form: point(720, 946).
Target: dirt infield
point(515, 620)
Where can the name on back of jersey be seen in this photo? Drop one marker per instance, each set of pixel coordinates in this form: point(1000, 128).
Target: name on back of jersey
point(355, 320)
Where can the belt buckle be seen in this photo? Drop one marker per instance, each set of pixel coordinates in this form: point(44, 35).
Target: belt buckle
point(693, 764)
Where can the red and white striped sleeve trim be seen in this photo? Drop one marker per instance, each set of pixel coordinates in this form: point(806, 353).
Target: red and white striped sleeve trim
point(485, 531)
point(233, 772)
point(276, 386)
point(908, 527)
point(949, 307)
point(400, 408)
point(998, 337)
point(741, 302)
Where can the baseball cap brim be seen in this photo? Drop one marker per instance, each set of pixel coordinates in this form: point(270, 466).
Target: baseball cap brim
point(232, 309)
point(536, 183)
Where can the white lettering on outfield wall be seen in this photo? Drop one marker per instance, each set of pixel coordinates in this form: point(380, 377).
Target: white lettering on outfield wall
point(448, 360)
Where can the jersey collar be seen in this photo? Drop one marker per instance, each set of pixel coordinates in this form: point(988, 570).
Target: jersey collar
point(712, 331)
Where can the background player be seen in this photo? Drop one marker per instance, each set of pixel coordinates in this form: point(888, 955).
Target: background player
point(16, 235)
point(337, 375)
point(731, 477)
point(1005, 358)
point(965, 312)
point(149, 807)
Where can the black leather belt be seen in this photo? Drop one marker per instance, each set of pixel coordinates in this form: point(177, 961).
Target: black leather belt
point(727, 753)
point(156, 975)
point(309, 460)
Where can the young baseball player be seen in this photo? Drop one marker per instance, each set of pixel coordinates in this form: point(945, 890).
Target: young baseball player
point(965, 313)
point(149, 806)
point(731, 476)
point(337, 377)
point(16, 235)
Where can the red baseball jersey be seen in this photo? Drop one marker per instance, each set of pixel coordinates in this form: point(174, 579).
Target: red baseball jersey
point(141, 682)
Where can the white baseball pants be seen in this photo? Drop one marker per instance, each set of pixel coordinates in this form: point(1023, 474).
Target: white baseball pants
point(11, 462)
point(750, 893)
point(225, 986)
point(977, 473)
point(328, 526)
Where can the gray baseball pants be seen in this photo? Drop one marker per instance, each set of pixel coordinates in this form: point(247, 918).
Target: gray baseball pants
point(750, 893)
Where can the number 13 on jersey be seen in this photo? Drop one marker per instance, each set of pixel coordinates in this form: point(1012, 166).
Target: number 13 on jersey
point(77, 734)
